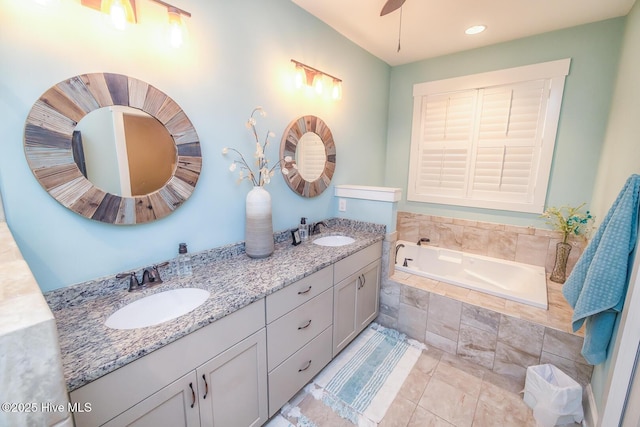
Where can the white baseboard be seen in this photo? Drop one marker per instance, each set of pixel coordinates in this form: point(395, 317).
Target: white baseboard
point(590, 408)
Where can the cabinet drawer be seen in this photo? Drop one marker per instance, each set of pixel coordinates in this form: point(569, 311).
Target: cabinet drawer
point(296, 328)
point(349, 265)
point(285, 300)
point(296, 371)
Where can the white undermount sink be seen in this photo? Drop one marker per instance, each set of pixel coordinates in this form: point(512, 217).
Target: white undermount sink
point(334, 241)
point(157, 308)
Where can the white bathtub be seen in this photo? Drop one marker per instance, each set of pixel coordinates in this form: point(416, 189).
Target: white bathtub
point(515, 281)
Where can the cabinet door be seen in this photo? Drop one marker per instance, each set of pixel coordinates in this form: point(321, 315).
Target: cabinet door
point(233, 385)
point(368, 296)
point(344, 312)
point(355, 305)
point(175, 405)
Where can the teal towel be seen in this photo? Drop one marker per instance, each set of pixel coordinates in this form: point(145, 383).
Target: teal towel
point(597, 286)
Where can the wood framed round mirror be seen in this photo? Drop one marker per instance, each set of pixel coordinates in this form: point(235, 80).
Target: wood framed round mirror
point(54, 150)
point(309, 143)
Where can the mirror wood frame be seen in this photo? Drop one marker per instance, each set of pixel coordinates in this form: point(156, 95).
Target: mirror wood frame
point(48, 147)
point(290, 139)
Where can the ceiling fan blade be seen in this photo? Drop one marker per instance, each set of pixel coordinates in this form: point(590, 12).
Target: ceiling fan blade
point(391, 5)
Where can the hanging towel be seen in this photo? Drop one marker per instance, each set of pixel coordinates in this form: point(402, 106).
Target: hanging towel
point(597, 285)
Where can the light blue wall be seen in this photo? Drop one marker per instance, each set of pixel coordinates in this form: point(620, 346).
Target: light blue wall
point(238, 57)
point(378, 212)
point(619, 155)
point(594, 52)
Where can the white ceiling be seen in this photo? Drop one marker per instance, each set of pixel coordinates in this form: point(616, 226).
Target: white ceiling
point(432, 28)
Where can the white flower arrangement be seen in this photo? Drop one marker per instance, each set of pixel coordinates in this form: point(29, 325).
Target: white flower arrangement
point(264, 173)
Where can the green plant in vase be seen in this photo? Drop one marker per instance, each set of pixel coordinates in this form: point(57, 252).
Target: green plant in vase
point(570, 221)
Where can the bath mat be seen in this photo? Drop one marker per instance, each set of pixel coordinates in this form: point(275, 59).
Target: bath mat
point(361, 382)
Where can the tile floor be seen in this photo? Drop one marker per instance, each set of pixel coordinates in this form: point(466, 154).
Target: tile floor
point(443, 390)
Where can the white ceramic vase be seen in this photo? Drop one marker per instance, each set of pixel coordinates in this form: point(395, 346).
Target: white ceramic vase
point(258, 225)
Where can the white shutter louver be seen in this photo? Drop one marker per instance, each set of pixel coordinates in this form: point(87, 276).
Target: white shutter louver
point(447, 125)
point(508, 140)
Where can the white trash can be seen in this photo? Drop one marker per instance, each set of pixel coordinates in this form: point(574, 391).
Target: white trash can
point(554, 396)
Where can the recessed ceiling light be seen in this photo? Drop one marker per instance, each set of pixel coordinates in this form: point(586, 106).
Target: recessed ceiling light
point(475, 29)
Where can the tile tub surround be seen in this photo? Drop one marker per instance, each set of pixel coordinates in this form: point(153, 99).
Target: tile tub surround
point(498, 334)
point(528, 245)
point(30, 362)
point(91, 350)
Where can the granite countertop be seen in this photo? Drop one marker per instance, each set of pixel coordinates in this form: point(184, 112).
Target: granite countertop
point(91, 350)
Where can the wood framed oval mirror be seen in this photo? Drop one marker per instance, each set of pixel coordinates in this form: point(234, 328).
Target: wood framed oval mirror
point(56, 155)
point(309, 143)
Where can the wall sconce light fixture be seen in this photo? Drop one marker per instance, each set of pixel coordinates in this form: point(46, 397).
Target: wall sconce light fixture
point(309, 76)
point(124, 11)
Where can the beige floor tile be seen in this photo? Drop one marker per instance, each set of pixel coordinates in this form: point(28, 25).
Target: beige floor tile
point(414, 385)
point(449, 403)
point(423, 418)
point(458, 378)
point(506, 383)
point(428, 360)
point(398, 414)
point(488, 415)
point(503, 400)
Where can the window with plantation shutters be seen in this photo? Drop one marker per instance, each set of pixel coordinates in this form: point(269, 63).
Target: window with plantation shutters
point(487, 140)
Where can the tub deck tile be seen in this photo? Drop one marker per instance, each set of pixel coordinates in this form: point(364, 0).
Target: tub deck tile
point(481, 318)
point(558, 316)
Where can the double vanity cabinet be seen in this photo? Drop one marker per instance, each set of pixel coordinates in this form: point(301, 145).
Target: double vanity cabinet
point(241, 369)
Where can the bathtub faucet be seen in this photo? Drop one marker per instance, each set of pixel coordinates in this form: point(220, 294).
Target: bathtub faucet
point(423, 240)
point(397, 248)
point(405, 264)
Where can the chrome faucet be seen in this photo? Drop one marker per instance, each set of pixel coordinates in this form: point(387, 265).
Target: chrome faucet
point(397, 248)
point(315, 228)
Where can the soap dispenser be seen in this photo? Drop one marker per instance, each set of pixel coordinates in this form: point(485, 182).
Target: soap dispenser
point(303, 229)
point(183, 261)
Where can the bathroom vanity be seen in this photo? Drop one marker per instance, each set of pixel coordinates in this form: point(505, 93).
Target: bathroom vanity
point(267, 329)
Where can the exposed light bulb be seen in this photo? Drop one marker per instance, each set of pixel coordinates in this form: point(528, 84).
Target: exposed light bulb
point(176, 28)
point(336, 91)
point(300, 77)
point(120, 11)
point(118, 16)
point(317, 83)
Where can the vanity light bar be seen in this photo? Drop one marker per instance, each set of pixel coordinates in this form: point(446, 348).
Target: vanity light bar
point(96, 4)
point(126, 12)
point(172, 8)
point(310, 76)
